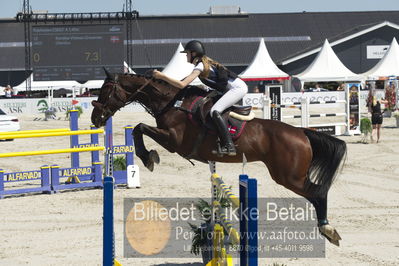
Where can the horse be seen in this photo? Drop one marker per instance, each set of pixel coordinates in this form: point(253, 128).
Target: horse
point(300, 159)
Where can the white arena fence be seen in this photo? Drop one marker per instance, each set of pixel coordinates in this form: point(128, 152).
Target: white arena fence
point(324, 111)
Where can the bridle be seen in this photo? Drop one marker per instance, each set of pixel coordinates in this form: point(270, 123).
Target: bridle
point(119, 97)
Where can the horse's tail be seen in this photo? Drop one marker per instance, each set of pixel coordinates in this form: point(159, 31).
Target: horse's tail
point(328, 154)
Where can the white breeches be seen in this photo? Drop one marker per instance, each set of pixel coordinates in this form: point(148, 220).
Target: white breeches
point(236, 91)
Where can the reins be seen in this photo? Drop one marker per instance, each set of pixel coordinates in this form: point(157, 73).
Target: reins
point(132, 96)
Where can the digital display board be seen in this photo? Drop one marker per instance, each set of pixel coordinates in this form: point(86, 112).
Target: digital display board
point(76, 52)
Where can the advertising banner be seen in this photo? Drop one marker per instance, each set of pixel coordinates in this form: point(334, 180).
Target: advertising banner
point(37, 106)
point(275, 93)
point(354, 107)
point(253, 99)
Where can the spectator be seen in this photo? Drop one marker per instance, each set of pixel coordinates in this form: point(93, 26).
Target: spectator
point(318, 88)
point(390, 96)
point(8, 91)
point(87, 93)
point(374, 106)
point(341, 87)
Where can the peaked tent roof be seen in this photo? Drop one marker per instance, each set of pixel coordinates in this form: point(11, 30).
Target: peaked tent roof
point(127, 68)
point(327, 67)
point(178, 67)
point(387, 66)
point(262, 66)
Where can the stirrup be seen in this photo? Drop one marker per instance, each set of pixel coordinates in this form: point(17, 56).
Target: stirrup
point(226, 150)
point(231, 151)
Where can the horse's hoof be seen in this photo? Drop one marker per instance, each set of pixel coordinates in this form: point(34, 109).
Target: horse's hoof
point(150, 165)
point(153, 156)
point(330, 233)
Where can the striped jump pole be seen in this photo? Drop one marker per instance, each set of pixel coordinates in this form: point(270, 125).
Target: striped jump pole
point(287, 105)
point(247, 237)
point(327, 115)
point(108, 213)
point(326, 102)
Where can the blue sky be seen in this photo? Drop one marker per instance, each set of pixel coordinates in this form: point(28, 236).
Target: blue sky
point(9, 8)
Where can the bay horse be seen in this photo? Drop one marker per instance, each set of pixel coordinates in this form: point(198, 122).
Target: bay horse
point(302, 160)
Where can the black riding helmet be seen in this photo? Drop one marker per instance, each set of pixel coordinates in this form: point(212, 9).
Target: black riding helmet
point(195, 46)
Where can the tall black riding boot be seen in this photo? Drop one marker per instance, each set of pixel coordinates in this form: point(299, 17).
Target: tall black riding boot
point(227, 145)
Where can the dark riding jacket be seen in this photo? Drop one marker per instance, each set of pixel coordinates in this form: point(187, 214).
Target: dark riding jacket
point(218, 78)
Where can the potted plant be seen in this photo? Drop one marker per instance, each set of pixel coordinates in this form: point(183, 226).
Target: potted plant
point(202, 239)
point(201, 242)
point(78, 108)
point(390, 97)
point(120, 163)
point(396, 115)
point(365, 128)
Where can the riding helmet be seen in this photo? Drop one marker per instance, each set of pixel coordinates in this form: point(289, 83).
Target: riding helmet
point(194, 46)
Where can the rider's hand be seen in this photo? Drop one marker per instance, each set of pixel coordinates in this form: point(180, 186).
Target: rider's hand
point(157, 74)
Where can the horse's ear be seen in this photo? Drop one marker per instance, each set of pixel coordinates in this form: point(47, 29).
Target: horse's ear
point(109, 75)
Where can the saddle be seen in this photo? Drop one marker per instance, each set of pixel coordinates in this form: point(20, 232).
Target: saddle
point(235, 117)
point(237, 111)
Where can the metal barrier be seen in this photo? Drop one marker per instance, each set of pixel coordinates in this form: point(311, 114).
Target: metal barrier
point(76, 176)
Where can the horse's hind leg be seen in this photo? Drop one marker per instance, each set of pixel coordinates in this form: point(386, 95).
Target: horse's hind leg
point(320, 205)
point(297, 185)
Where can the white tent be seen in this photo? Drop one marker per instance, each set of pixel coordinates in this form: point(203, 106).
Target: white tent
point(45, 85)
point(327, 67)
point(127, 69)
point(66, 84)
point(387, 66)
point(262, 67)
point(178, 67)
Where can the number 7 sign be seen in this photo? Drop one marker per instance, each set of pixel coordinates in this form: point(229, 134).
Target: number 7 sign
point(133, 176)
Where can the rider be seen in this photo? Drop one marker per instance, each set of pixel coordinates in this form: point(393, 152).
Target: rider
point(217, 77)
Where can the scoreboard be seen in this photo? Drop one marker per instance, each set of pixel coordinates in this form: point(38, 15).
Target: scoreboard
point(76, 52)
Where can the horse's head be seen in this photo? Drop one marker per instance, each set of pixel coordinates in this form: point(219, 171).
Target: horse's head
point(119, 90)
point(114, 94)
point(105, 106)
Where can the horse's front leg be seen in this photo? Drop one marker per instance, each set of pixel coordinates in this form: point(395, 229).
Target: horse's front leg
point(161, 136)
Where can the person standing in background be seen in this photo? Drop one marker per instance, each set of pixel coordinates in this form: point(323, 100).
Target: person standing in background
point(341, 87)
point(8, 91)
point(374, 107)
